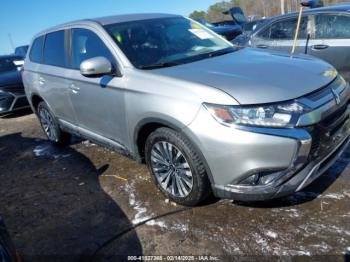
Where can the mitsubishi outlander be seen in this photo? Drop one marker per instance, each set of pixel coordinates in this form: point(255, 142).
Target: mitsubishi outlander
point(204, 115)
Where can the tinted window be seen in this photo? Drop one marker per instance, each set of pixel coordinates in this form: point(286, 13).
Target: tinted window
point(332, 26)
point(36, 50)
point(285, 30)
point(54, 53)
point(85, 45)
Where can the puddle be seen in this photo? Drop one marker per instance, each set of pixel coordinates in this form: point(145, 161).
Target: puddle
point(49, 151)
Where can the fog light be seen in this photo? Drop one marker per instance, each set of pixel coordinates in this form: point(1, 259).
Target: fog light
point(261, 178)
point(251, 180)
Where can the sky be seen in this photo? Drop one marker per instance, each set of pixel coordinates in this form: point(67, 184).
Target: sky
point(21, 19)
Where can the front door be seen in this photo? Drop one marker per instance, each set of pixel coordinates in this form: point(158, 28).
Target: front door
point(98, 102)
point(279, 35)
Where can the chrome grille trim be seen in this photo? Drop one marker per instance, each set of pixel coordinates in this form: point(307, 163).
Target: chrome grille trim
point(325, 95)
point(326, 105)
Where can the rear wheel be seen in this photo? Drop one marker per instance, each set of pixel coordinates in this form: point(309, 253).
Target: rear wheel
point(50, 125)
point(176, 167)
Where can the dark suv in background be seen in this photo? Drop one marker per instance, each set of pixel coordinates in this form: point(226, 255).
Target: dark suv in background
point(12, 96)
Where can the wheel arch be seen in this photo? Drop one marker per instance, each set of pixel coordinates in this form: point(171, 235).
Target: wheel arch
point(35, 100)
point(146, 126)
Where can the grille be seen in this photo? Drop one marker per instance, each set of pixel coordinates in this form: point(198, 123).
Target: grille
point(323, 131)
point(14, 89)
point(21, 102)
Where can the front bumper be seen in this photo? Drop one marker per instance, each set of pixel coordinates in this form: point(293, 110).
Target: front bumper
point(303, 178)
point(293, 157)
point(12, 99)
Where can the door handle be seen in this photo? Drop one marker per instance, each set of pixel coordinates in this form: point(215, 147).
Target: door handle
point(75, 89)
point(41, 80)
point(319, 47)
point(262, 46)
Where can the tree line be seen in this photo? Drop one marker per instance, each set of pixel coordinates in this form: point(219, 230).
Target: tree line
point(261, 8)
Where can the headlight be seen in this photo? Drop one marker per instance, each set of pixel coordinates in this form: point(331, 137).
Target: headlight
point(274, 115)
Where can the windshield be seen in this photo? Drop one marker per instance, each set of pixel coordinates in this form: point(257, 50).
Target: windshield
point(10, 64)
point(166, 41)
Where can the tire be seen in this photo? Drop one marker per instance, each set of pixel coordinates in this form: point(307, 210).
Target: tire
point(181, 176)
point(50, 125)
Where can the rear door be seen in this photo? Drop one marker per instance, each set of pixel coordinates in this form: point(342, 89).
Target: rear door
point(331, 41)
point(53, 75)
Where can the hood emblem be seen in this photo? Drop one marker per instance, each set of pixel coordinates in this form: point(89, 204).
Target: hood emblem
point(336, 97)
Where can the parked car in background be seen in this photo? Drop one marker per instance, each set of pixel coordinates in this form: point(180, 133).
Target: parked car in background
point(324, 33)
point(204, 115)
point(230, 32)
point(21, 50)
point(12, 96)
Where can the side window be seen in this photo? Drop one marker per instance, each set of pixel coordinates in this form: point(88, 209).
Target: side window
point(54, 49)
point(285, 30)
point(332, 26)
point(37, 50)
point(85, 45)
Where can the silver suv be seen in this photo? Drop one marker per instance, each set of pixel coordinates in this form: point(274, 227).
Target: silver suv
point(204, 115)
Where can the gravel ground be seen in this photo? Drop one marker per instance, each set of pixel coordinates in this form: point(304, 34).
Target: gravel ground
point(67, 204)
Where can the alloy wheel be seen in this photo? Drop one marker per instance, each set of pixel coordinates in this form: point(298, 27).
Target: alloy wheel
point(47, 123)
point(171, 169)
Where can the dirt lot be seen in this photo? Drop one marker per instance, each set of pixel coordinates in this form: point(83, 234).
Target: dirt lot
point(69, 203)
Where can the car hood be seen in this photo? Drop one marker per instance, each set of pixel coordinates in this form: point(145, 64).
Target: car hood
point(11, 78)
point(252, 76)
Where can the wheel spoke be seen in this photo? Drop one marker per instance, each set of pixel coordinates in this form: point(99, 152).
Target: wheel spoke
point(160, 169)
point(158, 158)
point(177, 157)
point(173, 184)
point(164, 176)
point(183, 186)
point(167, 180)
point(183, 166)
point(165, 151)
point(186, 179)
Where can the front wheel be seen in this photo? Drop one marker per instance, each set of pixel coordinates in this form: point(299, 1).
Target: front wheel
point(50, 125)
point(176, 167)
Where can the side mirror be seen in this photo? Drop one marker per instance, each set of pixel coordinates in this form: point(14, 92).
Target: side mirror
point(95, 67)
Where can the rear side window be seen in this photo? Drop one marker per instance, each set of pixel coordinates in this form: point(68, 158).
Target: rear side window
point(54, 49)
point(85, 45)
point(332, 26)
point(37, 50)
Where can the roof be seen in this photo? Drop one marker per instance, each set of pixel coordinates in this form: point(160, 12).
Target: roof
point(130, 17)
point(333, 8)
point(109, 20)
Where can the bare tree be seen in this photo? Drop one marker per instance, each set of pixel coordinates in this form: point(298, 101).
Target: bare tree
point(282, 7)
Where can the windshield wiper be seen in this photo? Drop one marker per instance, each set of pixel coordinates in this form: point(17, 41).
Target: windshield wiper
point(160, 65)
point(221, 52)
